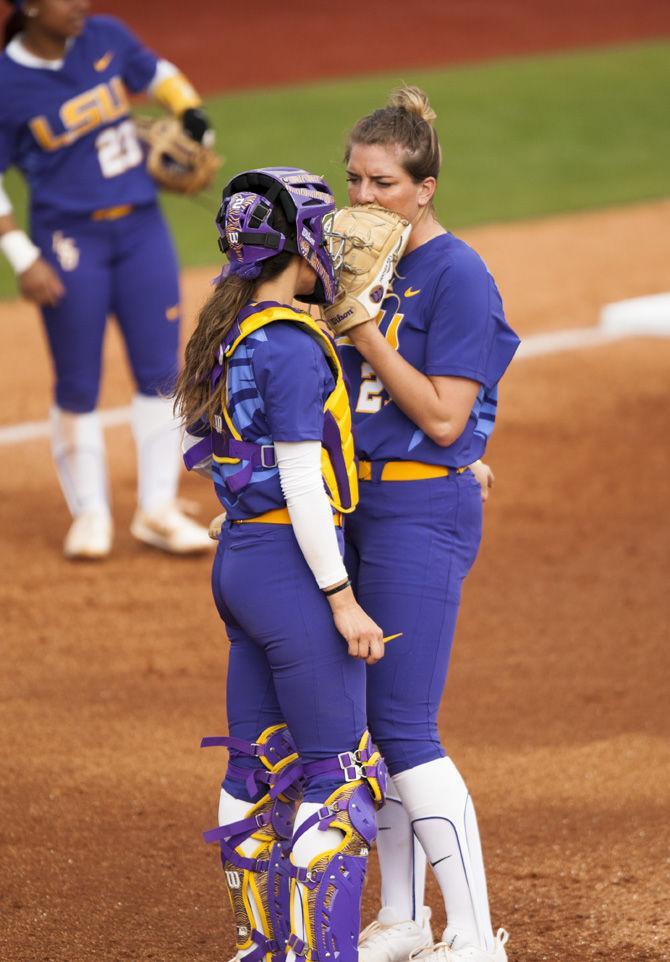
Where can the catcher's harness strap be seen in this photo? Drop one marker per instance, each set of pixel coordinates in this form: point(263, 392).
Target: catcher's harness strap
point(403, 471)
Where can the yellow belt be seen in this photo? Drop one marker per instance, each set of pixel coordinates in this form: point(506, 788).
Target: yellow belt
point(280, 516)
point(406, 471)
point(112, 213)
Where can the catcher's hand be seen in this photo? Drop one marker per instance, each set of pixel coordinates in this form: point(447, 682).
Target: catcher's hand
point(365, 243)
point(175, 160)
point(215, 526)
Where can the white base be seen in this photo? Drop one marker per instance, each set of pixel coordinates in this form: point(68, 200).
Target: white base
point(648, 316)
point(635, 317)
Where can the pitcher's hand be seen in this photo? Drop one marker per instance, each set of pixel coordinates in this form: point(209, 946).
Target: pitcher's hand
point(485, 477)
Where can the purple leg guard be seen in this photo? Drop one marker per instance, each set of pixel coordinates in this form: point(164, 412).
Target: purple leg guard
point(258, 874)
point(326, 894)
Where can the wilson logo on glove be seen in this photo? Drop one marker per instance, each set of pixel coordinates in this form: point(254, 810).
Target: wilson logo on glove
point(336, 319)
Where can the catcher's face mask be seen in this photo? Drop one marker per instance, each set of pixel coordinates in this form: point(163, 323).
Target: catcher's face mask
point(247, 237)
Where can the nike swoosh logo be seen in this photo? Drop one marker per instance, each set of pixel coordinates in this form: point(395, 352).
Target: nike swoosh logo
point(104, 61)
point(443, 859)
point(410, 293)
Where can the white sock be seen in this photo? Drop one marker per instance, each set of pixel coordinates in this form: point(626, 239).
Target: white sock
point(444, 820)
point(308, 847)
point(78, 449)
point(157, 436)
point(231, 810)
point(402, 863)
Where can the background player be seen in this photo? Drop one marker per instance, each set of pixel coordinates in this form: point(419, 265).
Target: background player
point(423, 390)
point(98, 244)
point(265, 386)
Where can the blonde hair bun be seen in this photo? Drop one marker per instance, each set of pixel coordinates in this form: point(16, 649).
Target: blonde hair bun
point(405, 122)
point(414, 100)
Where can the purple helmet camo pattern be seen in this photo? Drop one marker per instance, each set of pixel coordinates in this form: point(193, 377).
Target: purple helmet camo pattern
point(247, 237)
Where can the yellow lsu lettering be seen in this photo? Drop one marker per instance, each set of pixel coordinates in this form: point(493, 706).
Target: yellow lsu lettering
point(103, 104)
point(389, 328)
point(392, 331)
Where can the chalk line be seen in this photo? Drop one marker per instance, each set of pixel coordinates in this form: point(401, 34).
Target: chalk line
point(636, 317)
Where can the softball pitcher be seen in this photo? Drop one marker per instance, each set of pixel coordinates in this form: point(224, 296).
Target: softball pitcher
point(98, 244)
point(263, 397)
point(423, 386)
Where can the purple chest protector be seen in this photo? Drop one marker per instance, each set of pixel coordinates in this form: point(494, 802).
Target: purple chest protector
point(220, 442)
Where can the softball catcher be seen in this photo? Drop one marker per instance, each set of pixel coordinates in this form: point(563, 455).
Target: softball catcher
point(267, 415)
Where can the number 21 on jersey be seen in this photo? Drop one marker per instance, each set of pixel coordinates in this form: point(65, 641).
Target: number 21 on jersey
point(369, 395)
point(370, 392)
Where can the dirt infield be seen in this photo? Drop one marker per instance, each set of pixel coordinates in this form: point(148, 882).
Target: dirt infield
point(554, 708)
point(224, 47)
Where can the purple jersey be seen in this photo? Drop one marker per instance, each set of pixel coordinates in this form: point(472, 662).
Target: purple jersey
point(278, 381)
point(69, 130)
point(445, 316)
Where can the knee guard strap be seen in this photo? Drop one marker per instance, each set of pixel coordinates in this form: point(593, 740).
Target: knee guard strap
point(327, 891)
point(258, 881)
point(275, 749)
point(365, 763)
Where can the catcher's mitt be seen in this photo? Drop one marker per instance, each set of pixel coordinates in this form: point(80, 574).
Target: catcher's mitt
point(176, 161)
point(365, 243)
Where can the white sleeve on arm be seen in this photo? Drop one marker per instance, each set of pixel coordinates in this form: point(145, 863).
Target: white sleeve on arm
point(5, 202)
point(299, 464)
point(15, 243)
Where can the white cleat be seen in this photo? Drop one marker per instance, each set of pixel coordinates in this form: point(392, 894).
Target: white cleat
point(456, 950)
point(169, 529)
point(89, 537)
point(386, 940)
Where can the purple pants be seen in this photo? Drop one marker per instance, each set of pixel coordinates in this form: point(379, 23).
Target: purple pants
point(127, 267)
point(409, 546)
point(287, 661)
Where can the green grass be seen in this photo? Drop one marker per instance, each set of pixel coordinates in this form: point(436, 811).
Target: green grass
point(521, 138)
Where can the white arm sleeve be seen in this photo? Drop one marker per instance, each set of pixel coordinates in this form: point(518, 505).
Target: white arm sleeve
point(299, 464)
point(5, 202)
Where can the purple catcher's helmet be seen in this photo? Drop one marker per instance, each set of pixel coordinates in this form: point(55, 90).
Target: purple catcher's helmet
point(247, 237)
